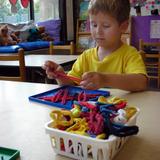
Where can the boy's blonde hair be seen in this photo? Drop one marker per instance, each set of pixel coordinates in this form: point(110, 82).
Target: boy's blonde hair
point(119, 9)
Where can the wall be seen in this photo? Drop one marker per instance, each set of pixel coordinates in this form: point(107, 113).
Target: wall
point(140, 29)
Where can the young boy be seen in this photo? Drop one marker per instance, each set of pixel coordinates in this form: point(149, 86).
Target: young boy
point(111, 63)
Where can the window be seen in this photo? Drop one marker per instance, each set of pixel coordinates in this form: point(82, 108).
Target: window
point(13, 13)
point(46, 9)
point(43, 10)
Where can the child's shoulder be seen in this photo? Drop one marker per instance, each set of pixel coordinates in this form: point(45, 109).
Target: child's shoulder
point(90, 51)
point(128, 49)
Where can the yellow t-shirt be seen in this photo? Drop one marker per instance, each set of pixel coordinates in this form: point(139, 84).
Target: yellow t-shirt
point(125, 60)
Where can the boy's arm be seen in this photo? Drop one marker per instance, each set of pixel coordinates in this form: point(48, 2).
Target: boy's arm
point(130, 82)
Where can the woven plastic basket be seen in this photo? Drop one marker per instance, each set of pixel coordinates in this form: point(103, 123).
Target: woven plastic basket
point(82, 147)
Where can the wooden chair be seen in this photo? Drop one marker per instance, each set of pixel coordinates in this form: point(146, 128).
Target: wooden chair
point(69, 47)
point(151, 56)
point(15, 57)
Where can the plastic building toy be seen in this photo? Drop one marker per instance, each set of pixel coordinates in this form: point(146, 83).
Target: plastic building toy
point(61, 118)
point(80, 127)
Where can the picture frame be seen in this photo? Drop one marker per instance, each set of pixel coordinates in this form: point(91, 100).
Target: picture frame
point(85, 42)
point(84, 26)
point(83, 14)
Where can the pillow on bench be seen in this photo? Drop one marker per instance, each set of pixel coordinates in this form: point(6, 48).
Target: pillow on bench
point(22, 27)
point(52, 27)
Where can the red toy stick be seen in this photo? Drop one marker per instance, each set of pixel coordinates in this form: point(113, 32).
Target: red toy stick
point(88, 105)
point(63, 75)
point(65, 95)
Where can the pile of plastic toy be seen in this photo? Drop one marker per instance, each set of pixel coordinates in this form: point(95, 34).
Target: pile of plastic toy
point(63, 96)
point(100, 119)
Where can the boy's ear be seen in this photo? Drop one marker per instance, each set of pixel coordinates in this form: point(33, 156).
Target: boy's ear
point(124, 26)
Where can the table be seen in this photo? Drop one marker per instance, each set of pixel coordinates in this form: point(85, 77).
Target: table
point(22, 123)
point(34, 63)
point(38, 60)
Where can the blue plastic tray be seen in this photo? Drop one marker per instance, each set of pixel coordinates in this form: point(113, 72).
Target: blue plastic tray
point(72, 92)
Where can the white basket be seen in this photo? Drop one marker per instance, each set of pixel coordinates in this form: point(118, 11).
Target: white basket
point(83, 147)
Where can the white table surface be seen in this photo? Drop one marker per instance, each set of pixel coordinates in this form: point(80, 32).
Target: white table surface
point(38, 60)
point(22, 123)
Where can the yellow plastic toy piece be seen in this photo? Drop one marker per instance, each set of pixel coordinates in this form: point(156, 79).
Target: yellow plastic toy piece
point(116, 100)
point(61, 118)
point(80, 127)
point(101, 136)
point(102, 99)
point(130, 111)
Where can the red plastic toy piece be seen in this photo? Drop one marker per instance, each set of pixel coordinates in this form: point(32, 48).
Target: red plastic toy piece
point(121, 105)
point(88, 105)
point(83, 96)
point(95, 122)
point(61, 95)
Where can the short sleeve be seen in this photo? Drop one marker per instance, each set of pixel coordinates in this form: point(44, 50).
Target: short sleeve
point(135, 64)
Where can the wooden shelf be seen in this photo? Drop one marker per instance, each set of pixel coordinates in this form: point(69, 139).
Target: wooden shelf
point(83, 36)
point(84, 33)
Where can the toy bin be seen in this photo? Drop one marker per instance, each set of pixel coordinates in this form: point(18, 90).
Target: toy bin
point(83, 147)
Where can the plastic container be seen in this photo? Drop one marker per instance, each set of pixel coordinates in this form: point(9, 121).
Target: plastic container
point(8, 154)
point(82, 147)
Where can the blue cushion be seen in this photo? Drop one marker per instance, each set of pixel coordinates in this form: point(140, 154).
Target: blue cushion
point(59, 43)
point(28, 46)
point(9, 49)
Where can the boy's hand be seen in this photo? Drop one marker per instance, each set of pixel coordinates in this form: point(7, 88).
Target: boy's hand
point(50, 67)
point(93, 80)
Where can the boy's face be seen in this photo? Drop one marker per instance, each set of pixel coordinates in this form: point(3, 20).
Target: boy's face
point(106, 30)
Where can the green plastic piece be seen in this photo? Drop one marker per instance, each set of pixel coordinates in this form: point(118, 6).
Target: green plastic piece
point(9, 154)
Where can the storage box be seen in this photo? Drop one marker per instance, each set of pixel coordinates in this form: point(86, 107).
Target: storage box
point(83, 147)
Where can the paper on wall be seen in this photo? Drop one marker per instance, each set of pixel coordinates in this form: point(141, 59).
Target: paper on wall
point(155, 29)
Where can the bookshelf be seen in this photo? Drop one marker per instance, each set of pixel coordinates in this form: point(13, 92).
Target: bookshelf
point(83, 37)
point(126, 36)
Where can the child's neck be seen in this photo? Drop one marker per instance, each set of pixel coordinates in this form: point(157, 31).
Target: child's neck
point(103, 52)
